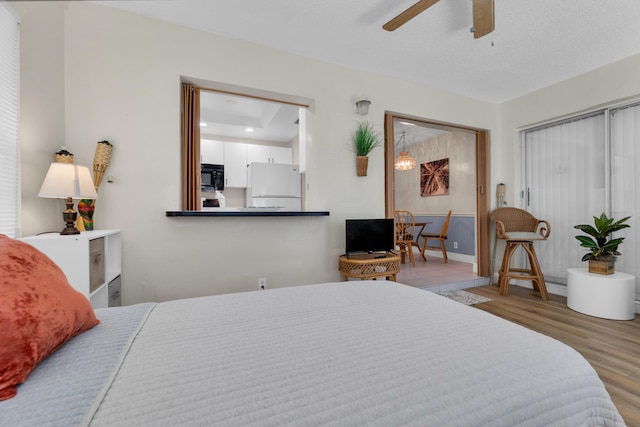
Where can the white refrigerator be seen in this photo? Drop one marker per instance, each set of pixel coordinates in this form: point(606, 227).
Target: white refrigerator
point(273, 185)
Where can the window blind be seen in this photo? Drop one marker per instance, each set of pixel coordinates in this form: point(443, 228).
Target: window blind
point(577, 169)
point(566, 180)
point(625, 191)
point(9, 154)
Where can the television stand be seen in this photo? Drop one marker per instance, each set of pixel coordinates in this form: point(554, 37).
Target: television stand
point(369, 266)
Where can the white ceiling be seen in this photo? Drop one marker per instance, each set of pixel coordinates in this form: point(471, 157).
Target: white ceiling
point(228, 115)
point(536, 43)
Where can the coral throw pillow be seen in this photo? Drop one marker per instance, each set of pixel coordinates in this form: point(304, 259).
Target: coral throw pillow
point(39, 311)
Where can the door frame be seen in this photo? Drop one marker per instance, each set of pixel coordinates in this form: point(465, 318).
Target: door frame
point(482, 180)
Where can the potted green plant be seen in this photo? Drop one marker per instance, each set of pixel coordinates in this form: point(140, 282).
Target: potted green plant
point(364, 140)
point(603, 249)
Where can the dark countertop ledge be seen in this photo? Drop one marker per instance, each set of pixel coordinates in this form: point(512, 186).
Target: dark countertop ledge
point(243, 213)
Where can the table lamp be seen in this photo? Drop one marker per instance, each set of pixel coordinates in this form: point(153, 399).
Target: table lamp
point(68, 181)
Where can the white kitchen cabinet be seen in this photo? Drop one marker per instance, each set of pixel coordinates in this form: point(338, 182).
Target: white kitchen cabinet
point(91, 260)
point(281, 155)
point(211, 151)
point(269, 154)
point(235, 164)
point(258, 154)
point(235, 156)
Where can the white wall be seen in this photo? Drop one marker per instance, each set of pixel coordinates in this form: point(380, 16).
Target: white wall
point(91, 73)
point(460, 149)
point(603, 86)
point(122, 83)
point(42, 114)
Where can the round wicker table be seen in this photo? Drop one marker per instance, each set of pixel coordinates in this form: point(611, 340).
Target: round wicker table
point(369, 266)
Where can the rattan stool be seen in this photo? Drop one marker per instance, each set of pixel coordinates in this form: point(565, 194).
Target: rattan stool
point(534, 274)
point(518, 228)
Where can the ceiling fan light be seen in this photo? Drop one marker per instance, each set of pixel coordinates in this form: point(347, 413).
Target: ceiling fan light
point(404, 162)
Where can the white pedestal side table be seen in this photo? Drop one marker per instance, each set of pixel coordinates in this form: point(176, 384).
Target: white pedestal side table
point(607, 296)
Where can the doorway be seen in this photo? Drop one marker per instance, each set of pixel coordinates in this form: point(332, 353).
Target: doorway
point(481, 179)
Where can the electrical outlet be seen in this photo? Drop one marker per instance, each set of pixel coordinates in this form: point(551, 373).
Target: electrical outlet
point(262, 283)
point(455, 245)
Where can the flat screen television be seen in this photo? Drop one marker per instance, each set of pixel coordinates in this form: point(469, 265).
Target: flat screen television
point(369, 235)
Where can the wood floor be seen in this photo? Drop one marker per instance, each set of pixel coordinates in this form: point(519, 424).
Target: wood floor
point(612, 347)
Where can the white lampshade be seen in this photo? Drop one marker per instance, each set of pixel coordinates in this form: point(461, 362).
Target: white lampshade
point(68, 180)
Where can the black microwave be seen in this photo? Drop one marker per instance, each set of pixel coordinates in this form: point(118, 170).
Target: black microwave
point(211, 177)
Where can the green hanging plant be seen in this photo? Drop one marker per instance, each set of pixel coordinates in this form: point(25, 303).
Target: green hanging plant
point(365, 139)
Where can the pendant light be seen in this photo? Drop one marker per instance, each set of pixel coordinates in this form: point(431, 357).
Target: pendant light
point(404, 162)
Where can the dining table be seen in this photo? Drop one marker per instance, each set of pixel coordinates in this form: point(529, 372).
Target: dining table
point(421, 226)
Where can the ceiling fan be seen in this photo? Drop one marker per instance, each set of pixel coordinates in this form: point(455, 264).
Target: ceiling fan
point(483, 22)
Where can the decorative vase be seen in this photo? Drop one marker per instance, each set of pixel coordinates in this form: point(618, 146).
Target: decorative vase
point(362, 163)
point(86, 207)
point(601, 267)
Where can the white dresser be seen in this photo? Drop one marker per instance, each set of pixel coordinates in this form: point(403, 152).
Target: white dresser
point(91, 260)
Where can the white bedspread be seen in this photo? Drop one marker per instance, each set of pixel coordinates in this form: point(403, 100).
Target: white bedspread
point(372, 353)
point(356, 353)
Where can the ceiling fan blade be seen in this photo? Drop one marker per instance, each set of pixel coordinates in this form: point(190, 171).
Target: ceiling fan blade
point(408, 14)
point(483, 20)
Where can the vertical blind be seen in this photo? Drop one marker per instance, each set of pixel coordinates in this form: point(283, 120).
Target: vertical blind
point(578, 169)
point(625, 191)
point(9, 158)
point(565, 166)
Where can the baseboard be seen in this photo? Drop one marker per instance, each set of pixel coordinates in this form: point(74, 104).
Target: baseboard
point(470, 259)
point(557, 289)
point(552, 288)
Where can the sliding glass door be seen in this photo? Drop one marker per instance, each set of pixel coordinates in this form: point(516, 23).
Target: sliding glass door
point(625, 191)
point(565, 167)
point(576, 169)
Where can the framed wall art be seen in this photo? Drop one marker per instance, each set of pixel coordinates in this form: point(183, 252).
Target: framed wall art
point(434, 178)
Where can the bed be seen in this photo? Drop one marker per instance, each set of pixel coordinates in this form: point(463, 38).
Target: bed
point(373, 353)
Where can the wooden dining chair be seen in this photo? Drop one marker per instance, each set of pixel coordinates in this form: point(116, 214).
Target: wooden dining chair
point(440, 237)
point(405, 229)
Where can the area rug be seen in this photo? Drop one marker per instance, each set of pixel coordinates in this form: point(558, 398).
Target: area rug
point(464, 297)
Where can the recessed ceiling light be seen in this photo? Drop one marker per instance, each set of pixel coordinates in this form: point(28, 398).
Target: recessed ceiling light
point(203, 124)
point(249, 130)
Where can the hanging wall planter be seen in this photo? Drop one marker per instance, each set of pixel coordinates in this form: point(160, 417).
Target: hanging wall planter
point(362, 162)
point(364, 140)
